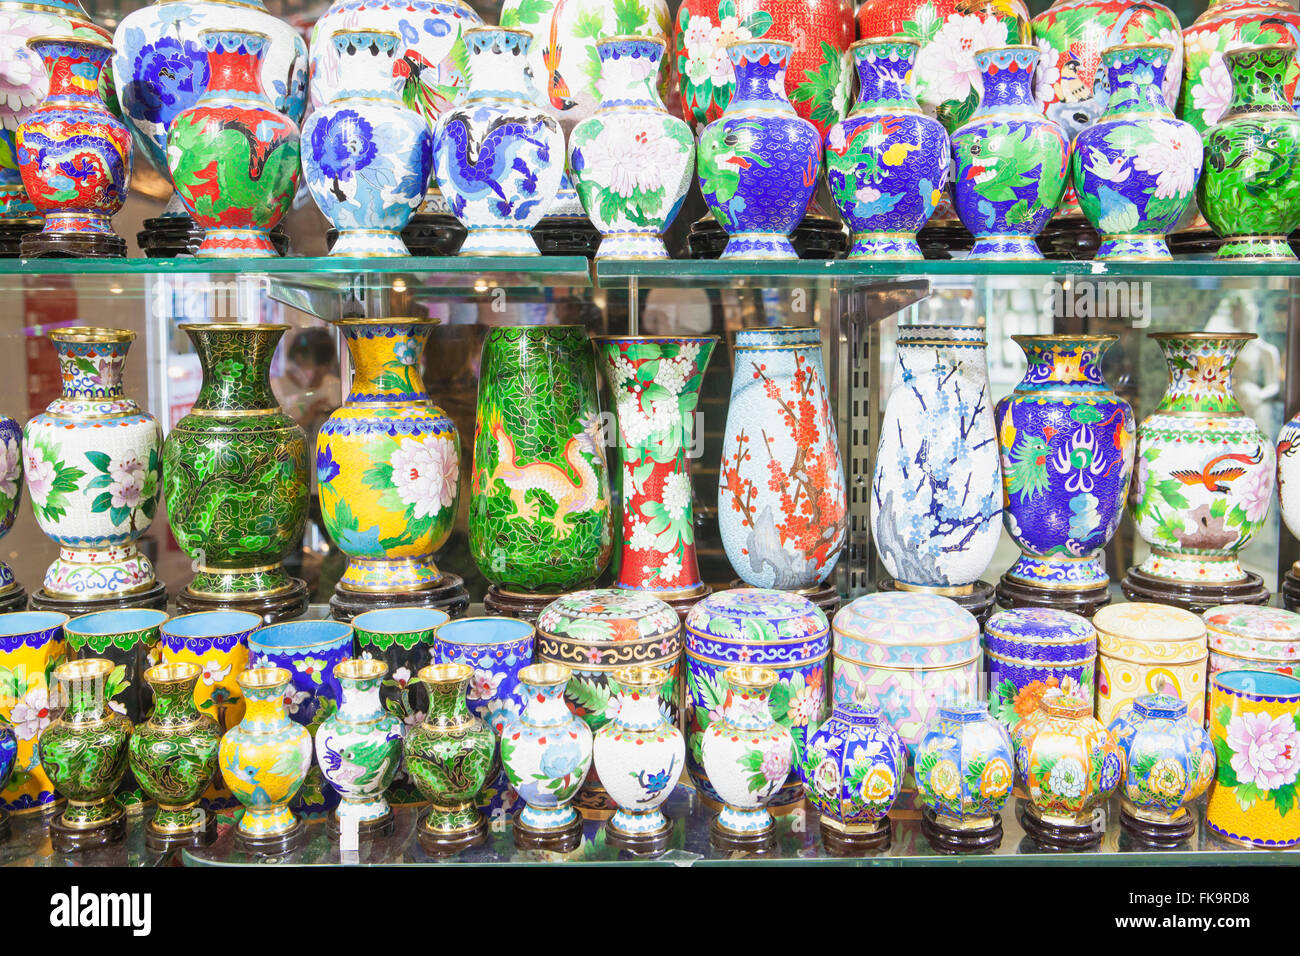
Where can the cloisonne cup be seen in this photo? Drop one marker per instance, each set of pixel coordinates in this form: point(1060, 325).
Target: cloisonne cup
point(31, 646)
point(404, 638)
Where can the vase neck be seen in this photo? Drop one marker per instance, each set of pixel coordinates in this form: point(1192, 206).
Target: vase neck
point(1200, 374)
point(760, 77)
point(92, 371)
point(360, 699)
point(265, 708)
point(84, 699)
point(1008, 74)
point(545, 706)
point(173, 701)
point(629, 72)
point(234, 65)
point(749, 708)
point(1259, 81)
point(883, 70)
point(498, 66)
point(638, 708)
point(1057, 362)
point(1136, 76)
point(386, 358)
point(447, 705)
point(366, 62)
point(74, 67)
point(236, 362)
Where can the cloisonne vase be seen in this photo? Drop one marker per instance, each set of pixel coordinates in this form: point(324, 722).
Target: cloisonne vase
point(639, 756)
point(264, 761)
point(964, 769)
point(887, 162)
point(783, 507)
point(234, 158)
point(173, 755)
point(758, 163)
point(539, 516)
point(1067, 448)
point(546, 752)
point(1135, 169)
point(498, 154)
point(8, 760)
point(1288, 502)
point(1012, 163)
point(935, 499)
point(450, 757)
point(161, 69)
point(366, 157)
point(1250, 189)
point(1169, 762)
point(388, 470)
point(13, 596)
point(1204, 482)
point(84, 753)
point(631, 161)
point(32, 645)
point(74, 155)
point(747, 756)
point(852, 773)
point(655, 384)
point(93, 470)
point(235, 471)
point(359, 748)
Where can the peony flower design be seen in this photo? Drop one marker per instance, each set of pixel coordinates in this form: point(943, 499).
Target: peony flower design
point(1265, 750)
point(775, 767)
point(39, 472)
point(426, 474)
point(1172, 155)
point(1068, 779)
point(343, 144)
point(11, 467)
point(175, 72)
point(1212, 92)
point(1255, 491)
point(32, 714)
point(945, 780)
point(1167, 778)
point(127, 487)
point(826, 778)
point(22, 77)
point(946, 65)
point(878, 784)
point(483, 685)
point(995, 780)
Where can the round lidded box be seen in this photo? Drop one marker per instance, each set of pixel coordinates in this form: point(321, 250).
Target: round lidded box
point(1149, 649)
point(1029, 651)
point(910, 652)
point(1252, 638)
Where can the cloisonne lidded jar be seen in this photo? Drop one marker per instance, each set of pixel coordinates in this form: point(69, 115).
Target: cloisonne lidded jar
point(93, 467)
point(779, 630)
point(1252, 638)
point(1033, 651)
point(964, 773)
point(1149, 649)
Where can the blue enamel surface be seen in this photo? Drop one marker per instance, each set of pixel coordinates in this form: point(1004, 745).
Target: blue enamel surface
point(1259, 683)
point(30, 622)
point(401, 620)
point(480, 631)
point(119, 621)
point(296, 635)
point(212, 624)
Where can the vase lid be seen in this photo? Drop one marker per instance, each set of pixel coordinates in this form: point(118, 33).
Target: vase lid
point(906, 629)
point(1161, 705)
point(1145, 633)
point(756, 615)
point(617, 615)
point(1271, 624)
point(1040, 635)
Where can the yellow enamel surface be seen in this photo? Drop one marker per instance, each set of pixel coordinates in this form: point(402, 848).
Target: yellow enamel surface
point(29, 663)
point(1261, 823)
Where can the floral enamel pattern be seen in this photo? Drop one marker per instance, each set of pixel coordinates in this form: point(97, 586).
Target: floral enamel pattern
point(11, 489)
point(32, 645)
point(853, 768)
point(1250, 637)
point(1067, 759)
point(964, 765)
point(1168, 758)
point(1033, 652)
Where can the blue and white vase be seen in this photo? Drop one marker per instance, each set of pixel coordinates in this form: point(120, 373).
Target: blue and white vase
point(366, 157)
point(886, 162)
point(11, 492)
point(936, 496)
point(1035, 651)
point(758, 162)
point(964, 772)
point(498, 154)
point(1135, 169)
point(1012, 162)
point(160, 68)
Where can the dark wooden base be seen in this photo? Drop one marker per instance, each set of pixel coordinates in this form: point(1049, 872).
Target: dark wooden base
point(817, 237)
point(825, 596)
point(729, 841)
point(163, 840)
point(642, 844)
point(1055, 836)
point(1197, 598)
point(526, 607)
point(383, 826)
point(979, 600)
point(425, 235)
point(11, 237)
point(1291, 591)
point(449, 844)
point(66, 839)
point(952, 840)
point(450, 596)
point(939, 240)
point(683, 605)
point(839, 842)
point(563, 840)
point(276, 845)
point(171, 237)
point(1069, 237)
point(155, 597)
point(1158, 836)
point(566, 236)
point(1085, 602)
point(1193, 242)
point(273, 609)
point(73, 245)
point(15, 600)
point(4, 824)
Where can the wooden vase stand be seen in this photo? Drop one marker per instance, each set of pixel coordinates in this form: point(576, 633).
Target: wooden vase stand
point(449, 596)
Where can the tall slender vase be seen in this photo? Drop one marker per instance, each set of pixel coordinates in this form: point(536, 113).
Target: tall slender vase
point(656, 383)
point(935, 501)
point(782, 505)
point(32, 645)
point(73, 130)
point(388, 470)
point(93, 467)
point(13, 596)
point(1067, 445)
point(234, 158)
point(1204, 482)
point(539, 518)
point(235, 470)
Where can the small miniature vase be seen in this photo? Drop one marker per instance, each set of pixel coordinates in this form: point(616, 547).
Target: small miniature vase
point(639, 757)
point(1250, 190)
point(964, 769)
point(498, 154)
point(388, 474)
point(1169, 762)
point(747, 756)
point(1204, 480)
point(631, 161)
point(1067, 446)
point(74, 155)
point(1070, 764)
point(758, 163)
point(1135, 169)
point(84, 753)
point(93, 468)
point(450, 756)
point(539, 516)
point(8, 759)
point(235, 471)
point(887, 162)
point(366, 157)
point(264, 761)
point(1011, 161)
point(173, 755)
point(234, 158)
point(546, 752)
point(852, 773)
point(783, 512)
point(13, 596)
point(359, 748)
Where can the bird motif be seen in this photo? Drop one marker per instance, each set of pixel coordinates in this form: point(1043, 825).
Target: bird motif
point(1217, 479)
point(557, 90)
